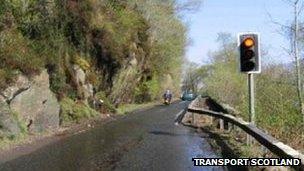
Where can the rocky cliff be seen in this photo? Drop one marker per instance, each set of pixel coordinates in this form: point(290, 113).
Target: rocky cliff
point(28, 103)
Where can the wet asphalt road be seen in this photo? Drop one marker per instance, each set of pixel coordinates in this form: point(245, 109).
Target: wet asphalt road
point(144, 140)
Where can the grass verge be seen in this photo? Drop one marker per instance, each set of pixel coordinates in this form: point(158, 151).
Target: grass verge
point(22, 139)
point(127, 108)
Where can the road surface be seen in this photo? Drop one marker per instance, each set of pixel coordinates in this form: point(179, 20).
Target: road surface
point(143, 140)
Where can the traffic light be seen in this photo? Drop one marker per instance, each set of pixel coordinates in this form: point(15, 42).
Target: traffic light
point(249, 53)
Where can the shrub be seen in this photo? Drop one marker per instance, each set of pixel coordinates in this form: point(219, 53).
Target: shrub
point(6, 77)
point(277, 107)
point(82, 63)
point(15, 53)
point(57, 80)
point(105, 36)
point(93, 78)
point(106, 102)
point(72, 111)
point(147, 91)
point(154, 88)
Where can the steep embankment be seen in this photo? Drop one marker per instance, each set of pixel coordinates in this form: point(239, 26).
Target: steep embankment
point(66, 60)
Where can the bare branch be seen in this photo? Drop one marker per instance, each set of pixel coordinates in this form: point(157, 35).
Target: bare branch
point(289, 2)
point(288, 51)
point(278, 23)
point(188, 5)
point(301, 8)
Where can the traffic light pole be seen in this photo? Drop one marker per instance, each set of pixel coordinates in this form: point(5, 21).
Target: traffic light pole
point(251, 104)
point(251, 99)
point(250, 63)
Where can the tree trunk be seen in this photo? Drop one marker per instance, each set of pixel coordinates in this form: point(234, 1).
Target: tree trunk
point(297, 60)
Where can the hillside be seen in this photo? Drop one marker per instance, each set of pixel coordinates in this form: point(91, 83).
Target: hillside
point(67, 60)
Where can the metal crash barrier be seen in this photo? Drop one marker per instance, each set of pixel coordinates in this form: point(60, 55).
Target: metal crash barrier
point(280, 149)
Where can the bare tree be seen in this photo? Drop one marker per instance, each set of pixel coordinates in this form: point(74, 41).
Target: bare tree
point(191, 78)
point(296, 55)
point(293, 35)
point(188, 5)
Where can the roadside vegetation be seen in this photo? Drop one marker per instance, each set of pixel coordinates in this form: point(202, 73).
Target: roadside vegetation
point(127, 108)
point(129, 50)
point(277, 107)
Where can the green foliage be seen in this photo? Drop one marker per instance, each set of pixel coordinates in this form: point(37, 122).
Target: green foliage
point(125, 84)
point(37, 34)
point(58, 81)
point(276, 100)
point(82, 63)
point(193, 76)
point(6, 77)
point(106, 103)
point(147, 91)
point(129, 50)
point(277, 105)
point(72, 111)
point(153, 88)
point(223, 81)
point(128, 108)
point(15, 53)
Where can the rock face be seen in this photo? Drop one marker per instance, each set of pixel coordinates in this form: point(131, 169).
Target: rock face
point(37, 106)
point(22, 83)
point(86, 89)
point(8, 124)
point(79, 75)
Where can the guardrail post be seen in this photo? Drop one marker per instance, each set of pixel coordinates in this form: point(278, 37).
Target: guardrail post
point(222, 124)
point(192, 116)
point(230, 127)
point(273, 145)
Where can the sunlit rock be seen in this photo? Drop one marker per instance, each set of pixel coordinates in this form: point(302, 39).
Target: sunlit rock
point(37, 106)
point(8, 125)
point(22, 83)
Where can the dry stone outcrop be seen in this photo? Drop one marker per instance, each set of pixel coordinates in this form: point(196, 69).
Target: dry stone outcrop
point(37, 106)
point(9, 126)
point(85, 88)
point(32, 103)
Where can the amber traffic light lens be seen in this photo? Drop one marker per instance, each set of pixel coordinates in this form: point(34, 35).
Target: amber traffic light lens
point(248, 42)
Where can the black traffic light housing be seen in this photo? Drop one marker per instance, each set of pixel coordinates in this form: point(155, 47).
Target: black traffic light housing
point(249, 53)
